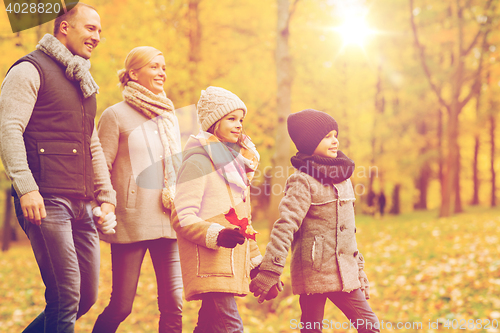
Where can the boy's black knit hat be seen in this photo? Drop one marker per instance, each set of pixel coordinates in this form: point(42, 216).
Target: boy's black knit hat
point(308, 127)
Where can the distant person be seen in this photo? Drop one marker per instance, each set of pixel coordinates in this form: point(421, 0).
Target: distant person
point(144, 205)
point(381, 202)
point(212, 212)
point(317, 217)
point(52, 154)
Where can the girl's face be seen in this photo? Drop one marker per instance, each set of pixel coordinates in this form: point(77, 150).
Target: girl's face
point(329, 146)
point(152, 76)
point(229, 127)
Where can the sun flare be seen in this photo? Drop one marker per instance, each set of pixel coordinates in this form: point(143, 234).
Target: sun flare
point(354, 31)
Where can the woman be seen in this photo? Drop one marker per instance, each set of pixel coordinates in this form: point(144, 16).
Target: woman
point(141, 141)
point(212, 212)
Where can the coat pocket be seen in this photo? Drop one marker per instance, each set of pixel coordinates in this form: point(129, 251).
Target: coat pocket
point(60, 163)
point(317, 252)
point(215, 262)
point(131, 193)
point(349, 272)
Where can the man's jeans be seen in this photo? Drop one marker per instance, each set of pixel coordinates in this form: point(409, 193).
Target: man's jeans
point(66, 248)
point(218, 314)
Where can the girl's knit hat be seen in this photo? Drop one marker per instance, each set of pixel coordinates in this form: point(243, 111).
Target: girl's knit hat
point(308, 127)
point(215, 103)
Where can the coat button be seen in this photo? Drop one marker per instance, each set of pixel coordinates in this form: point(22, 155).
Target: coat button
point(133, 191)
point(74, 151)
point(42, 150)
point(341, 253)
point(342, 227)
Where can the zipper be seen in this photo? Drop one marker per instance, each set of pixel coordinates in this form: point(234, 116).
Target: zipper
point(83, 145)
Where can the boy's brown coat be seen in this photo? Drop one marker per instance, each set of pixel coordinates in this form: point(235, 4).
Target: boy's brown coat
point(317, 222)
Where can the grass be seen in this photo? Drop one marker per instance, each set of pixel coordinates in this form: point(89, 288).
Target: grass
point(422, 269)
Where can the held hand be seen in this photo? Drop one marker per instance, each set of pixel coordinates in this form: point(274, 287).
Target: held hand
point(33, 207)
point(109, 223)
point(266, 285)
point(365, 285)
point(229, 238)
point(106, 208)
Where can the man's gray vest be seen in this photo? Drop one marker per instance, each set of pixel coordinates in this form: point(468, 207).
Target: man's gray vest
point(57, 137)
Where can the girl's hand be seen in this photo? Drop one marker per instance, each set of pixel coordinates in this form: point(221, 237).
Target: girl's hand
point(229, 238)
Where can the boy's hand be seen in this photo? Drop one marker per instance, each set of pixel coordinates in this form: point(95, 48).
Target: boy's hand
point(365, 285)
point(266, 285)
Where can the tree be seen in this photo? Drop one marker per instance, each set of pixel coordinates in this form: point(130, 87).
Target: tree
point(461, 73)
point(284, 86)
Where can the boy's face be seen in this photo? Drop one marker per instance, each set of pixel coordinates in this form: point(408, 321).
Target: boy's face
point(329, 146)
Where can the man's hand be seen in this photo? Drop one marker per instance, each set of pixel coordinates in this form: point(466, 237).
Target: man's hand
point(105, 209)
point(33, 207)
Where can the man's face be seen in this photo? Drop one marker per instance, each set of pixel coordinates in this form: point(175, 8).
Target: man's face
point(83, 34)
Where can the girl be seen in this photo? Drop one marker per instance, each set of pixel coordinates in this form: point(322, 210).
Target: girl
point(140, 138)
point(317, 220)
point(212, 212)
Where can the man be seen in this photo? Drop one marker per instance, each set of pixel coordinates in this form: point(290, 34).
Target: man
point(52, 154)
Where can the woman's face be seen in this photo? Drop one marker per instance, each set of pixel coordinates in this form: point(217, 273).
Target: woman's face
point(152, 76)
point(229, 129)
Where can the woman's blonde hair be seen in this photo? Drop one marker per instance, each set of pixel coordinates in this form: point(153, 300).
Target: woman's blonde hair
point(136, 59)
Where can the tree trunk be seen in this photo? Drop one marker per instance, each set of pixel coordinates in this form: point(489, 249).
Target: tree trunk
point(194, 35)
point(458, 196)
point(396, 207)
point(477, 144)
point(379, 104)
point(422, 185)
point(284, 86)
point(7, 228)
point(475, 174)
point(440, 147)
point(422, 182)
point(450, 174)
point(493, 201)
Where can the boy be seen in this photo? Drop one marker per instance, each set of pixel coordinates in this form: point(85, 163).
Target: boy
point(317, 222)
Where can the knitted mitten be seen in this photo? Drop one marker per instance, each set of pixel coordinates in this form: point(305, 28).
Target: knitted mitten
point(261, 285)
point(230, 238)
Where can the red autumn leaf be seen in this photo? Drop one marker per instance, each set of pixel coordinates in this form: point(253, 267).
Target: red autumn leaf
point(245, 229)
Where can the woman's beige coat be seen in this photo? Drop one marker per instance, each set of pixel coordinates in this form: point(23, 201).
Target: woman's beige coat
point(202, 199)
point(134, 155)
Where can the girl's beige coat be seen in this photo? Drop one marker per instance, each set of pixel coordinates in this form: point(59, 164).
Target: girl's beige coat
point(202, 199)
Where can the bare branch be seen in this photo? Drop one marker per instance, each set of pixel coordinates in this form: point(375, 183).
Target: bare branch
point(423, 60)
point(293, 8)
point(290, 14)
point(476, 86)
point(479, 32)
